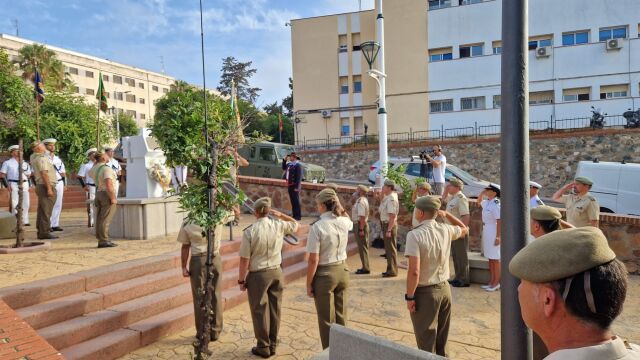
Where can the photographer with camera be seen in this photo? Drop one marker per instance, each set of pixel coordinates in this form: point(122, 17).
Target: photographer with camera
point(439, 162)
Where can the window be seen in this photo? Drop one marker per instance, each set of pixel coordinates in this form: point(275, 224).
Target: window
point(614, 91)
point(342, 41)
point(439, 4)
point(469, 2)
point(541, 97)
point(619, 32)
point(540, 41)
point(108, 95)
point(89, 92)
point(497, 101)
point(267, 154)
point(344, 85)
point(357, 84)
point(119, 96)
point(131, 98)
point(575, 38)
point(437, 106)
point(142, 116)
point(345, 128)
point(355, 40)
point(416, 169)
point(141, 100)
point(440, 54)
point(141, 85)
point(165, 90)
point(132, 113)
point(73, 71)
point(474, 103)
point(117, 79)
point(577, 94)
point(497, 47)
point(358, 125)
point(105, 78)
point(130, 82)
point(154, 88)
point(471, 50)
point(88, 74)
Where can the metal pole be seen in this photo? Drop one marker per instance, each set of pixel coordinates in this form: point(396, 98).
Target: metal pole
point(514, 172)
point(382, 111)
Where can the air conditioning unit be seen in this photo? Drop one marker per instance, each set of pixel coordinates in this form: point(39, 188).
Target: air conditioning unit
point(614, 44)
point(544, 51)
point(326, 113)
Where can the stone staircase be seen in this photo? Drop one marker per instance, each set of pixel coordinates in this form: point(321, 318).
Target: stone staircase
point(74, 198)
point(107, 312)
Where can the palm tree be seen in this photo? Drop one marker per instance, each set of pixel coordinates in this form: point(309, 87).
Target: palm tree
point(51, 69)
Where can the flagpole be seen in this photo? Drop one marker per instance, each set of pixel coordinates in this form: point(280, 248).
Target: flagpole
point(37, 118)
point(280, 127)
point(98, 128)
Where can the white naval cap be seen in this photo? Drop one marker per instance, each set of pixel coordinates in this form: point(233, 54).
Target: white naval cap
point(535, 185)
point(92, 150)
point(50, 141)
point(13, 147)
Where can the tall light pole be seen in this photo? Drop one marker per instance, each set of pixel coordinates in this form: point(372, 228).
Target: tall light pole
point(115, 110)
point(371, 50)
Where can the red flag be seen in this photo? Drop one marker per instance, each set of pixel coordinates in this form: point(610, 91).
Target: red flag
point(280, 122)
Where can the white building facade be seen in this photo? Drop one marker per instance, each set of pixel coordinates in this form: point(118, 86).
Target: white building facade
point(573, 64)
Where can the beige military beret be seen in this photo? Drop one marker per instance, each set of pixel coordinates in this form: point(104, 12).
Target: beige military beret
point(456, 182)
point(260, 204)
point(390, 183)
point(424, 185)
point(13, 147)
point(363, 188)
point(561, 254)
point(326, 195)
point(427, 203)
point(544, 212)
point(35, 144)
point(333, 186)
point(584, 180)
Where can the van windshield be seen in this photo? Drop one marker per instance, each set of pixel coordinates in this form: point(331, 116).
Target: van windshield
point(284, 151)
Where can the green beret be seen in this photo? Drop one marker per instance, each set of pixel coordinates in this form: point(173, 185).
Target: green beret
point(456, 182)
point(363, 188)
point(584, 180)
point(390, 183)
point(544, 212)
point(262, 203)
point(424, 185)
point(427, 203)
point(561, 254)
point(332, 186)
point(326, 195)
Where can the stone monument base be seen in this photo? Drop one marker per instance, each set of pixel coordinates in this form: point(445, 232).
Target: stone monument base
point(150, 218)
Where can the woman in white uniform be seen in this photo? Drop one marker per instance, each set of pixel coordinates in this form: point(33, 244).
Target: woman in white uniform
point(491, 233)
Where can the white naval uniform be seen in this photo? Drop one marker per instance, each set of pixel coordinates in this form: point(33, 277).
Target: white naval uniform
point(115, 165)
point(490, 215)
point(179, 176)
point(58, 165)
point(91, 184)
point(11, 172)
point(535, 202)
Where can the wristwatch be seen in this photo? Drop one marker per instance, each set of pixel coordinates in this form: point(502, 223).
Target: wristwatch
point(409, 298)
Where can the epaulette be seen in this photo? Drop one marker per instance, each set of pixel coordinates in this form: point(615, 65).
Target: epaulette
point(539, 202)
point(497, 201)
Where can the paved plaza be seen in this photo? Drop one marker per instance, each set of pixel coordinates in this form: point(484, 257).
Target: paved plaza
point(376, 306)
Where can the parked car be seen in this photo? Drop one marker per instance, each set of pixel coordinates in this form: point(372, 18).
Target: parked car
point(415, 169)
point(265, 160)
point(616, 185)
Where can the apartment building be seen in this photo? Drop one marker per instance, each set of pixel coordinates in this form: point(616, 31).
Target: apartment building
point(581, 54)
point(333, 95)
point(130, 90)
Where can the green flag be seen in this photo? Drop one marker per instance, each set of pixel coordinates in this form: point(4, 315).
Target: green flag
point(101, 95)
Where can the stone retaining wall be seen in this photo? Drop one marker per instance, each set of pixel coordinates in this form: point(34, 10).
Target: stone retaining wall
point(622, 231)
point(553, 156)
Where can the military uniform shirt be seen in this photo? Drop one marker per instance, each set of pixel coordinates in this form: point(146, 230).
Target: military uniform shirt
point(389, 205)
point(534, 202)
point(84, 172)
point(581, 210)
point(192, 234)
point(11, 170)
point(114, 165)
point(262, 242)
point(616, 349)
point(58, 165)
point(102, 172)
point(328, 238)
point(431, 243)
point(457, 205)
point(41, 162)
point(360, 208)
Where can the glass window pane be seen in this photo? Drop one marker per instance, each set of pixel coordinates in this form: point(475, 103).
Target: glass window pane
point(582, 37)
point(605, 35)
point(476, 50)
point(357, 87)
point(568, 39)
point(447, 105)
point(344, 89)
point(434, 57)
point(620, 33)
point(546, 42)
point(447, 56)
point(465, 52)
point(533, 45)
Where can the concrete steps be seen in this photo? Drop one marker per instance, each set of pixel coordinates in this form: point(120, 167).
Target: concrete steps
point(107, 312)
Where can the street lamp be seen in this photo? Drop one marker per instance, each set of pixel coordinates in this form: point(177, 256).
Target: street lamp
point(371, 50)
point(115, 96)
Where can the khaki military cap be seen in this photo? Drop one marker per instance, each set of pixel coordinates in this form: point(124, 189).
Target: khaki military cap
point(363, 188)
point(92, 150)
point(333, 186)
point(544, 213)
point(326, 195)
point(50, 141)
point(13, 147)
point(262, 203)
point(427, 203)
point(584, 180)
point(390, 183)
point(456, 182)
point(561, 254)
point(424, 185)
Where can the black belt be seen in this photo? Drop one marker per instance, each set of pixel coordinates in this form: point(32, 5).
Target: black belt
point(92, 185)
point(16, 181)
point(60, 179)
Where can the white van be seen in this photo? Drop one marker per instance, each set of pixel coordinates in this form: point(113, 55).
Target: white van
point(616, 185)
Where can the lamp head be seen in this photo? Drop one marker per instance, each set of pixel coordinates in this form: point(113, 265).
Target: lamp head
point(370, 51)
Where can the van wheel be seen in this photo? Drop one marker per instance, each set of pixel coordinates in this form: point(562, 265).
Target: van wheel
point(605, 210)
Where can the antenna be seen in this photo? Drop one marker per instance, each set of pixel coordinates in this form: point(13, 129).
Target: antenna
point(162, 63)
point(359, 5)
point(16, 26)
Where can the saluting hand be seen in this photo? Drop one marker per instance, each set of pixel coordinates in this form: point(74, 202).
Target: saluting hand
point(411, 306)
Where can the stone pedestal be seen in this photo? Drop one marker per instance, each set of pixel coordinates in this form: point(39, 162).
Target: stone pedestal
point(7, 225)
point(148, 218)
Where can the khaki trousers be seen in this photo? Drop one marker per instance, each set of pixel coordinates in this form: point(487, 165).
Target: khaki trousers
point(330, 295)
point(45, 207)
point(460, 259)
point(363, 244)
point(198, 275)
point(432, 318)
point(264, 289)
point(391, 248)
point(104, 214)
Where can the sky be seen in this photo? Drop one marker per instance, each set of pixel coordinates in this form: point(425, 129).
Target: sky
point(146, 33)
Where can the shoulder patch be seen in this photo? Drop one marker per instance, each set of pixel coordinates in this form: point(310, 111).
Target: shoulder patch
point(460, 195)
point(497, 201)
point(539, 202)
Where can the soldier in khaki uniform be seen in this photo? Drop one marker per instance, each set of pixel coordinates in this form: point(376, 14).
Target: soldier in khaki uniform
point(582, 208)
point(428, 293)
point(261, 256)
point(106, 198)
point(327, 271)
point(194, 241)
point(389, 209)
point(46, 181)
point(360, 217)
point(458, 206)
point(572, 289)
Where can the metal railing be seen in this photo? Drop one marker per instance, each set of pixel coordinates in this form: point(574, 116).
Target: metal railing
point(476, 131)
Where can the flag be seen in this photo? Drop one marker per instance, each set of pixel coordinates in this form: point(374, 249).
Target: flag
point(39, 87)
point(236, 112)
point(280, 122)
point(101, 95)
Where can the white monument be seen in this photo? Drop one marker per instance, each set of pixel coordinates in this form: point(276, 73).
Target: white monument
point(142, 153)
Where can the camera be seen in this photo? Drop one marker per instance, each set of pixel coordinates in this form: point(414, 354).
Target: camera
point(424, 155)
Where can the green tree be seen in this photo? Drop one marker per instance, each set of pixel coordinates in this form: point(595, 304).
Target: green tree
point(273, 109)
point(240, 73)
point(287, 102)
point(128, 126)
point(51, 69)
point(17, 106)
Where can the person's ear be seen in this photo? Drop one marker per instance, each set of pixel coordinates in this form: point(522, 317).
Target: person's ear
point(550, 300)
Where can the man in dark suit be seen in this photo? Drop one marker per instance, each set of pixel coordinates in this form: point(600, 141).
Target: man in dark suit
point(293, 176)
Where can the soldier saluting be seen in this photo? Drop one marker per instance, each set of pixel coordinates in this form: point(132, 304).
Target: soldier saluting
point(582, 208)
